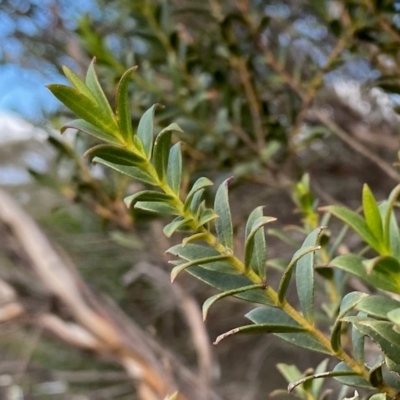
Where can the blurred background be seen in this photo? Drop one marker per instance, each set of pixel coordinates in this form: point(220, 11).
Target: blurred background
point(265, 91)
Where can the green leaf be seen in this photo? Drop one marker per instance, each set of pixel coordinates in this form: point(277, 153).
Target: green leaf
point(379, 396)
point(392, 366)
point(389, 217)
point(133, 172)
point(206, 216)
point(122, 106)
point(270, 316)
point(161, 149)
point(198, 185)
point(357, 340)
point(192, 251)
point(145, 130)
point(173, 226)
point(197, 262)
point(380, 332)
point(394, 315)
point(115, 155)
point(210, 301)
point(147, 195)
point(284, 284)
point(196, 201)
point(223, 225)
point(305, 281)
point(259, 329)
point(159, 207)
point(388, 263)
point(87, 127)
point(372, 214)
point(355, 222)
point(329, 374)
point(351, 379)
point(317, 385)
point(377, 305)
point(255, 245)
point(273, 315)
point(348, 303)
point(85, 108)
point(291, 373)
point(380, 277)
point(94, 86)
point(376, 375)
point(192, 238)
point(174, 169)
point(77, 83)
point(304, 340)
point(228, 281)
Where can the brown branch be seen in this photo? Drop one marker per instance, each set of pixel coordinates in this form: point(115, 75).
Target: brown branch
point(93, 323)
point(255, 110)
point(357, 146)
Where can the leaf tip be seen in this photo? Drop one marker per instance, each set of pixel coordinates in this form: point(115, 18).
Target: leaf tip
point(226, 334)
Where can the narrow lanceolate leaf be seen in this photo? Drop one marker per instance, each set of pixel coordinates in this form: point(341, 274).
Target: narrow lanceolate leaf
point(145, 130)
point(305, 341)
point(284, 284)
point(391, 237)
point(210, 301)
point(381, 276)
point(173, 226)
point(351, 379)
point(255, 257)
point(372, 214)
point(348, 303)
point(355, 222)
point(357, 341)
point(394, 316)
point(270, 316)
point(201, 261)
point(94, 86)
point(259, 329)
point(193, 238)
point(77, 83)
point(291, 373)
point(198, 185)
point(305, 280)
point(122, 106)
point(161, 149)
point(174, 169)
point(206, 216)
point(84, 107)
point(146, 195)
point(376, 375)
point(378, 306)
point(388, 216)
point(223, 224)
point(115, 155)
point(329, 374)
point(133, 172)
point(84, 126)
point(381, 332)
point(159, 207)
point(196, 201)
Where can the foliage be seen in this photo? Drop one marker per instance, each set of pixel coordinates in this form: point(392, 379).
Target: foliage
point(208, 248)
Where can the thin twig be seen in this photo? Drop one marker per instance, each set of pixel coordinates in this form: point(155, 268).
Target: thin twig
point(239, 63)
point(357, 146)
